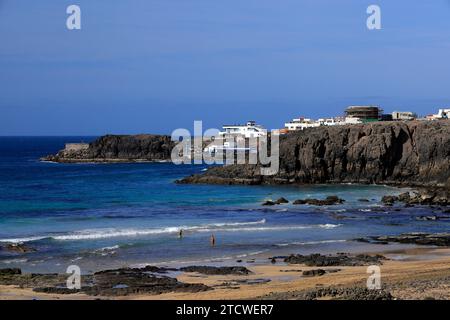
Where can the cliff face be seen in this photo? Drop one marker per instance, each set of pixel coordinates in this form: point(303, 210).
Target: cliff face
point(415, 153)
point(119, 148)
point(409, 153)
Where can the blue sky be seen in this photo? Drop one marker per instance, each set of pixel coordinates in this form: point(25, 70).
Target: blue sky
point(156, 65)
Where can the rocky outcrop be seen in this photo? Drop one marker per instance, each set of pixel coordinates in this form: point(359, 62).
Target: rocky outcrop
point(420, 238)
point(10, 271)
point(313, 273)
point(415, 153)
point(332, 293)
point(428, 196)
point(17, 248)
point(328, 201)
point(119, 148)
point(210, 270)
point(318, 260)
point(119, 282)
point(318, 272)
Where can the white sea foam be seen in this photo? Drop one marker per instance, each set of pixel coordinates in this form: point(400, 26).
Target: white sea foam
point(308, 243)
point(20, 240)
point(107, 250)
point(14, 261)
point(93, 234)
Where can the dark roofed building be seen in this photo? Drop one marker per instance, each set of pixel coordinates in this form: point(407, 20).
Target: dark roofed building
point(364, 112)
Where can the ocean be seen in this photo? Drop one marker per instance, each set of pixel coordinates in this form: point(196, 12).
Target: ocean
point(100, 216)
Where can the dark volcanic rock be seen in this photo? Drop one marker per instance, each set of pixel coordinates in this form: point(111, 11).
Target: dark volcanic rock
point(389, 200)
point(282, 200)
point(149, 269)
point(351, 293)
point(437, 239)
point(439, 196)
point(404, 197)
point(17, 247)
point(31, 280)
point(136, 281)
point(328, 201)
point(313, 273)
point(318, 260)
point(120, 148)
point(117, 282)
point(57, 290)
point(318, 272)
point(415, 153)
point(10, 271)
point(216, 270)
point(268, 203)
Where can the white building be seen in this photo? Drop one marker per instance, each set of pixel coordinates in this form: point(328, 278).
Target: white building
point(403, 115)
point(352, 120)
point(328, 121)
point(303, 123)
point(249, 130)
point(300, 124)
point(443, 114)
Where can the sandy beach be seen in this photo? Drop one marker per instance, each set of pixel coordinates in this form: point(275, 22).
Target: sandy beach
point(418, 273)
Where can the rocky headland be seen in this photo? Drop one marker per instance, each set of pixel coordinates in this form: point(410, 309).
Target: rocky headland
point(415, 153)
point(118, 148)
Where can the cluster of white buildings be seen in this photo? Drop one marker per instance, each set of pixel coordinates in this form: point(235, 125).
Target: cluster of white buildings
point(354, 115)
point(442, 114)
point(303, 123)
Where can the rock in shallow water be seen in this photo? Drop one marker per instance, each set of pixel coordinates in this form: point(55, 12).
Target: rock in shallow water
point(18, 248)
point(437, 239)
point(217, 270)
point(313, 273)
point(328, 201)
point(282, 200)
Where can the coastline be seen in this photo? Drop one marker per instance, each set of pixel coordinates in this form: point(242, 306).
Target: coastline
point(385, 219)
point(425, 267)
point(102, 161)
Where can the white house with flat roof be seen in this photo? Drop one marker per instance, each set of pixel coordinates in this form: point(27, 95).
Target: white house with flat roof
point(403, 115)
point(248, 130)
point(301, 124)
point(443, 114)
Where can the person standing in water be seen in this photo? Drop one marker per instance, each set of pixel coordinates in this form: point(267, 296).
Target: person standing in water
point(180, 234)
point(212, 240)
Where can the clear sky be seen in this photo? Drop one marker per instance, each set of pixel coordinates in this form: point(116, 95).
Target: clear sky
point(150, 66)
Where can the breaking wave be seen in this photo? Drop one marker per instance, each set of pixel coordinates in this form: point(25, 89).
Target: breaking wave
point(309, 243)
point(93, 234)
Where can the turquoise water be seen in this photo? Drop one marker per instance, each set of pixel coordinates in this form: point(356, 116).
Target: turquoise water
point(108, 215)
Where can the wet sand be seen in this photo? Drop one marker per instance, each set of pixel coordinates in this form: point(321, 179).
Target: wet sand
point(417, 273)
